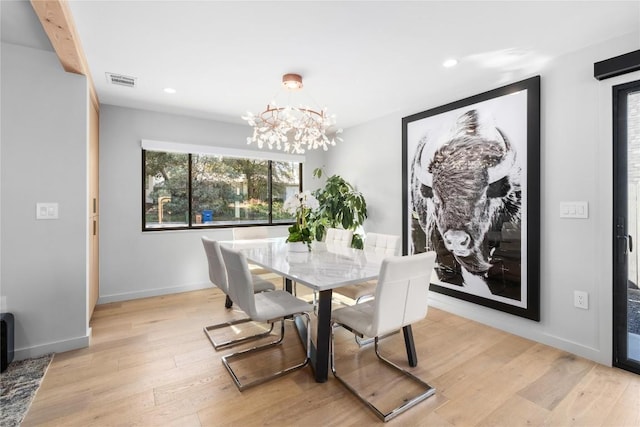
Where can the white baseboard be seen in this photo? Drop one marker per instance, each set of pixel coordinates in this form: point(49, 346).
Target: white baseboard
point(517, 326)
point(104, 299)
point(82, 342)
point(54, 347)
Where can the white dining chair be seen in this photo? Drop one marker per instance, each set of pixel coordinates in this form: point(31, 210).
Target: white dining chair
point(385, 243)
point(252, 233)
point(379, 244)
point(338, 236)
point(267, 307)
point(333, 236)
point(402, 298)
point(218, 277)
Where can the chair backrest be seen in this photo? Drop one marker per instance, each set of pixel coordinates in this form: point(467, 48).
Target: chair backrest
point(402, 293)
point(240, 281)
point(338, 236)
point(217, 270)
point(382, 243)
point(248, 233)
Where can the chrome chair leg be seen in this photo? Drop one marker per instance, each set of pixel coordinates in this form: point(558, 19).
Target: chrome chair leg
point(228, 358)
point(233, 342)
point(361, 341)
point(384, 416)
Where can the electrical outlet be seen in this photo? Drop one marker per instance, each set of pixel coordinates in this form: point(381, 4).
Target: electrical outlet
point(581, 299)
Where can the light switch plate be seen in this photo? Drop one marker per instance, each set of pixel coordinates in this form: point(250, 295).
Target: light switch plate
point(46, 210)
point(574, 210)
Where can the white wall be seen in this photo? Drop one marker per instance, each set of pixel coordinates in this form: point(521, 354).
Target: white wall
point(575, 165)
point(134, 264)
point(43, 281)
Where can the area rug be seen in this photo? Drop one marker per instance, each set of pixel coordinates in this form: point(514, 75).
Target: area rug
point(18, 386)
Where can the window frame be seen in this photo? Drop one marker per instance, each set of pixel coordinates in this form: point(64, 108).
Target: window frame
point(190, 225)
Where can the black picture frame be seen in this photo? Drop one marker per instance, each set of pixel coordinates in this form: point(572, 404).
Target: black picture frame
point(471, 192)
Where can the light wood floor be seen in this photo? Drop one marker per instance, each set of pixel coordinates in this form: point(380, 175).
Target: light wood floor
point(150, 364)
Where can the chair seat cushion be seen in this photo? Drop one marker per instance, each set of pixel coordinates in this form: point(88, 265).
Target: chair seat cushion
point(261, 285)
point(277, 304)
point(356, 317)
point(358, 290)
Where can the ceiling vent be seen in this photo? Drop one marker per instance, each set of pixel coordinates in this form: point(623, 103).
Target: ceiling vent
point(119, 79)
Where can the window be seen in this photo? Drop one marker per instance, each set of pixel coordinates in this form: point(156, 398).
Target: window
point(186, 190)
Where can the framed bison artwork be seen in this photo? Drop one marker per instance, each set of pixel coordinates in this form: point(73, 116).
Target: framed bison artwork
point(471, 193)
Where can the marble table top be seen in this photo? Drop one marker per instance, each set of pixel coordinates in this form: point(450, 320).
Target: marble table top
point(326, 266)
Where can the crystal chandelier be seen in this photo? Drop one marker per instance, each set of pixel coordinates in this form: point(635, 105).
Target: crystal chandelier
point(292, 129)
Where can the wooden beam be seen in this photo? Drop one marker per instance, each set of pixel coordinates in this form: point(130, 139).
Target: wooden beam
point(57, 21)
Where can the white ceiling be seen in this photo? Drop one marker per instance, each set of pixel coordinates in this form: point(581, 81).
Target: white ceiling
point(362, 59)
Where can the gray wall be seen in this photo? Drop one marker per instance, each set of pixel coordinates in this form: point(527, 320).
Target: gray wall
point(43, 280)
point(575, 165)
point(134, 264)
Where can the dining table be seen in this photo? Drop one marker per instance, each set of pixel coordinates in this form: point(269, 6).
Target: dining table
point(323, 267)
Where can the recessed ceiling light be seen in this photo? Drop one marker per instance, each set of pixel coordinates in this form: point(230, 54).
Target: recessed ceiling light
point(169, 90)
point(450, 63)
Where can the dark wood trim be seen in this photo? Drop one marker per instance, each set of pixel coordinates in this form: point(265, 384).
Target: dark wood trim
point(617, 65)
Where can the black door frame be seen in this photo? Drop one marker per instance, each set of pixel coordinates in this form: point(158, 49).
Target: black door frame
point(620, 227)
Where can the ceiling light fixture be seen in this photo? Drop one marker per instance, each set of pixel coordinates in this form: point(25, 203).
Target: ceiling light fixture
point(292, 81)
point(292, 129)
point(169, 90)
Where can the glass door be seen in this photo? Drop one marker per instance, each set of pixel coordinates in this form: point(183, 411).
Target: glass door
point(626, 195)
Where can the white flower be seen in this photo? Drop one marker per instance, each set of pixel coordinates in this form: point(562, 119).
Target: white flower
point(308, 200)
point(292, 204)
point(300, 201)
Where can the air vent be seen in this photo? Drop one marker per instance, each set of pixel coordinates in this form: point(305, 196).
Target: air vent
point(119, 79)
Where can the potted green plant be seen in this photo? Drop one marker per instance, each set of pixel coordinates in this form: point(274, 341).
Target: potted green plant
point(340, 206)
point(301, 205)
